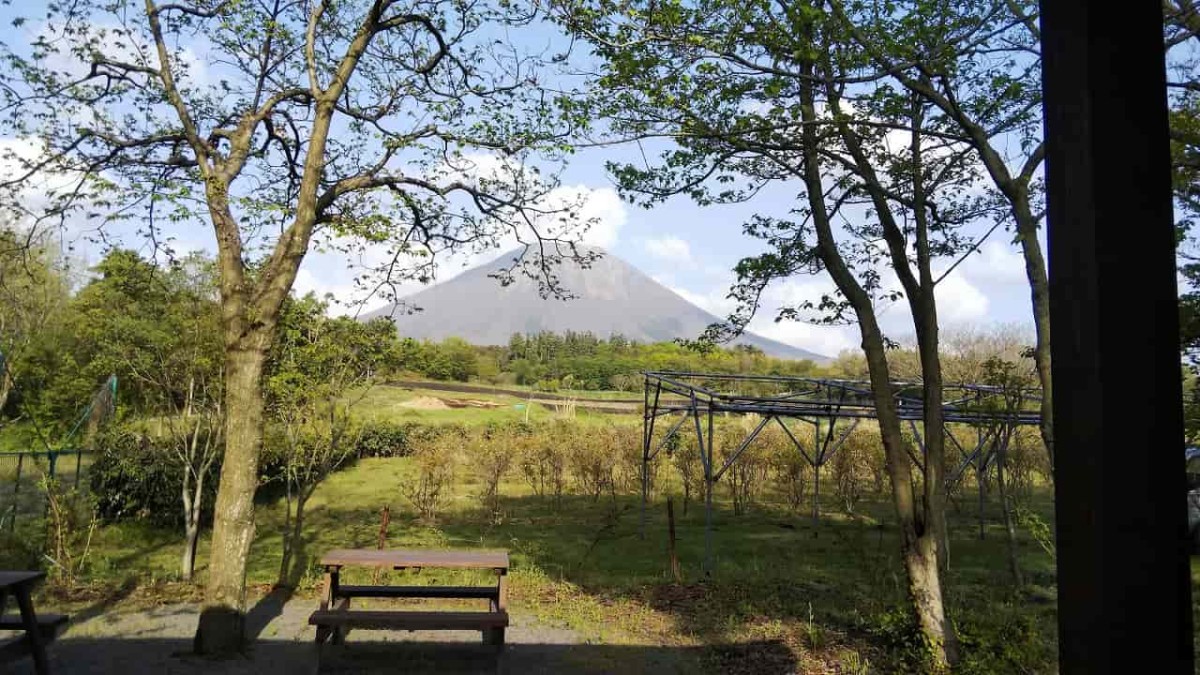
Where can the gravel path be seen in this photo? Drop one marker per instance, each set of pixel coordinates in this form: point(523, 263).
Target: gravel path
point(158, 641)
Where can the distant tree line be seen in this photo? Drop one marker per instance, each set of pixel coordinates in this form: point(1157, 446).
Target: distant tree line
point(156, 326)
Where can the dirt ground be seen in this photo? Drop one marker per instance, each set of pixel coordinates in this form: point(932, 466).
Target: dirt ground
point(158, 640)
point(424, 403)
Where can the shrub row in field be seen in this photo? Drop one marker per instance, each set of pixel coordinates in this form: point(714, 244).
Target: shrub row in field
point(598, 461)
point(137, 475)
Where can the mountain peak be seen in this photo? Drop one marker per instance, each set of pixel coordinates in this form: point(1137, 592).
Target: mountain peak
point(609, 297)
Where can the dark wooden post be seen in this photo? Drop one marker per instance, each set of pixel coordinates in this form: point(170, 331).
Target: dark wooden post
point(1123, 586)
point(671, 554)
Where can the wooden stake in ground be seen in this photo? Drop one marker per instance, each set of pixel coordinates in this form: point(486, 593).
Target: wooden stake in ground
point(671, 539)
point(385, 517)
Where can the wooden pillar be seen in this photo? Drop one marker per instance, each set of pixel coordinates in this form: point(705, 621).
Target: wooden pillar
point(1123, 585)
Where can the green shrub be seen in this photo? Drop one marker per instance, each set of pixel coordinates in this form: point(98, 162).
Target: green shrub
point(402, 439)
point(136, 476)
point(384, 439)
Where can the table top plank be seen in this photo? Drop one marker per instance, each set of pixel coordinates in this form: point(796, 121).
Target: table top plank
point(411, 557)
point(13, 578)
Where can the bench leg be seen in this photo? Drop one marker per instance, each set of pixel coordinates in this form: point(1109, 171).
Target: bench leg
point(33, 633)
point(322, 634)
point(494, 637)
point(340, 632)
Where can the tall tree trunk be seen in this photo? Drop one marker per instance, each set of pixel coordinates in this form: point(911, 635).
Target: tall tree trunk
point(1039, 294)
point(285, 558)
point(922, 522)
point(223, 616)
point(191, 538)
point(191, 524)
point(919, 534)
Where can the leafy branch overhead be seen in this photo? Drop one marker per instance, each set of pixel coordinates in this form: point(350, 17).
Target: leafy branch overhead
point(369, 122)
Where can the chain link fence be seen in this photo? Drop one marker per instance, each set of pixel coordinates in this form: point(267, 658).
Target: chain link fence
point(25, 475)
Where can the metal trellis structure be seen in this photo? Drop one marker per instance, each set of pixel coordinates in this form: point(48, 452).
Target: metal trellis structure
point(992, 411)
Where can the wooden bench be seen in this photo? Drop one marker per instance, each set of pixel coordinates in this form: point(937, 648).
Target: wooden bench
point(335, 617)
point(38, 630)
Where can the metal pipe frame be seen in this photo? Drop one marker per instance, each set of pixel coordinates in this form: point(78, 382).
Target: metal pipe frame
point(811, 400)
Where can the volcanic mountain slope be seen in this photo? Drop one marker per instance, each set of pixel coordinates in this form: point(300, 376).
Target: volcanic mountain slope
point(611, 297)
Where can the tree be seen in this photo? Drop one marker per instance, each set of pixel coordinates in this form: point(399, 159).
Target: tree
point(158, 329)
point(404, 125)
point(318, 370)
point(979, 64)
point(34, 291)
point(1181, 35)
point(1011, 386)
point(756, 95)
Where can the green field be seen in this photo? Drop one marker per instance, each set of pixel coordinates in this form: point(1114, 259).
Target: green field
point(830, 594)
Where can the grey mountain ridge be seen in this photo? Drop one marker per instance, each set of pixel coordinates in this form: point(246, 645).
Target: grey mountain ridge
point(611, 297)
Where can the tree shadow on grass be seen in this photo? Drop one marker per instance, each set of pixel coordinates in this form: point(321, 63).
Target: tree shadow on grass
point(835, 584)
point(267, 609)
point(838, 582)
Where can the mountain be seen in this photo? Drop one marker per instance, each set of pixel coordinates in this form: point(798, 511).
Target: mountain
point(611, 296)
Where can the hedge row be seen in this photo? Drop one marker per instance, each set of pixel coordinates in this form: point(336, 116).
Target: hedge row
point(137, 475)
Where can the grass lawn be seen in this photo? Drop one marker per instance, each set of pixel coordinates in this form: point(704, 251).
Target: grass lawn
point(822, 599)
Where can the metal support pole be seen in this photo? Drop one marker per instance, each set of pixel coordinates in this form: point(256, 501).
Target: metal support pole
point(980, 471)
point(708, 499)
point(647, 431)
point(819, 455)
point(1124, 587)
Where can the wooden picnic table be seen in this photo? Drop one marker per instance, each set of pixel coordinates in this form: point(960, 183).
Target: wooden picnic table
point(336, 618)
point(38, 630)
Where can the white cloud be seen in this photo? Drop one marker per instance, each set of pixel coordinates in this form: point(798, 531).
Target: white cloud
point(668, 248)
point(824, 340)
point(601, 208)
point(121, 43)
point(714, 301)
point(959, 301)
point(592, 215)
point(996, 263)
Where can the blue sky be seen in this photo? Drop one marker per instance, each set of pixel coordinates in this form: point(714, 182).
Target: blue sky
point(690, 249)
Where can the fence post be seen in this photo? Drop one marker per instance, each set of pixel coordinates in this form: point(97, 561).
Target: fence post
point(12, 525)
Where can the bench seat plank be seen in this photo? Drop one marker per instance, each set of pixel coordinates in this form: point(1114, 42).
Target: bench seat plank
point(405, 557)
point(351, 591)
point(47, 623)
point(388, 619)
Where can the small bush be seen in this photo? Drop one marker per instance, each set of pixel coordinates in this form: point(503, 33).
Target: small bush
point(791, 471)
point(626, 443)
point(592, 463)
point(70, 523)
point(543, 463)
point(1026, 463)
point(851, 468)
point(685, 457)
point(748, 473)
point(490, 455)
point(429, 488)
